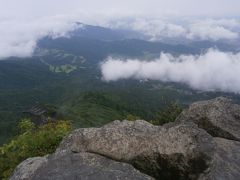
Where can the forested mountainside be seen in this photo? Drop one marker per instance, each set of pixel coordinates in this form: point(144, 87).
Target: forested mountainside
point(65, 73)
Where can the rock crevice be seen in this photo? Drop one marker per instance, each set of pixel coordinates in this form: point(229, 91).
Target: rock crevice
point(219, 117)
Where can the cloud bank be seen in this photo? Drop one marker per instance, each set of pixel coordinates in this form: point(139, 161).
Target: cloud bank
point(221, 29)
point(24, 22)
point(211, 71)
point(19, 36)
point(189, 29)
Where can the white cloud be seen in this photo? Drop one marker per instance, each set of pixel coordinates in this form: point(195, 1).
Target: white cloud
point(197, 29)
point(213, 30)
point(154, 29)
point(228, 23)
point(157, 29)
point(19, 36)
point(213, 70)
point(23, 22)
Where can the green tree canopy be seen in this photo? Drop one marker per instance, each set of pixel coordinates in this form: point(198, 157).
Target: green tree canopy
point(32, 141)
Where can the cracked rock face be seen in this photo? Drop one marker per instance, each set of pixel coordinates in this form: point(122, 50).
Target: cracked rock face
point(219, 117)
point(158, 151)
point(201, 145)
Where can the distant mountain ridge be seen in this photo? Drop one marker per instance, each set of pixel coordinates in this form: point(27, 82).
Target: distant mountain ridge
point(65, 70)
point(103, 33)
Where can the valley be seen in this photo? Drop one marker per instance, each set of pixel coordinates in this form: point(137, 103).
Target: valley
point(65, 72)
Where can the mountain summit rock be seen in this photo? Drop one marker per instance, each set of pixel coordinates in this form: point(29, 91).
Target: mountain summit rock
point(202, 144)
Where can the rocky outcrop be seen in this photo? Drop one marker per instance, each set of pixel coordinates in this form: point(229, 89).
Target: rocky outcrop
point(155, 150)
point(219, 117)
point(187, 149)
point(72, 166)
point(226, 161)
point(28, 168)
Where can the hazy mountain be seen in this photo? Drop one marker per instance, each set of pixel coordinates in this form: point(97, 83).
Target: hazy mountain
point(65, 72)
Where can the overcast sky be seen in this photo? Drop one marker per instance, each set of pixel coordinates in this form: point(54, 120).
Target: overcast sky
point(122, 7)
point(24, 22)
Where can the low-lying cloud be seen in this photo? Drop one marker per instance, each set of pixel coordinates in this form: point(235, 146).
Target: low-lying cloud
point(222, 29)
point(213, 70)
point(24, 22)
point(19, 36)
point(190, 29)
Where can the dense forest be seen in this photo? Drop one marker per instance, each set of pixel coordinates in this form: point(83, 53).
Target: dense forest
point(65, 73)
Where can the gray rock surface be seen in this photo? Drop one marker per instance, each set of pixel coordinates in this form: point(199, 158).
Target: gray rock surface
point(182, 150)
point(27, 168)
point(226, 161)
point(74, 166)
point(219, 117)
point(203, 144)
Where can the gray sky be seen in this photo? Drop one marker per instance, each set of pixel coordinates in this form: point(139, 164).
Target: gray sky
point(122, 7)
point(23, 22)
